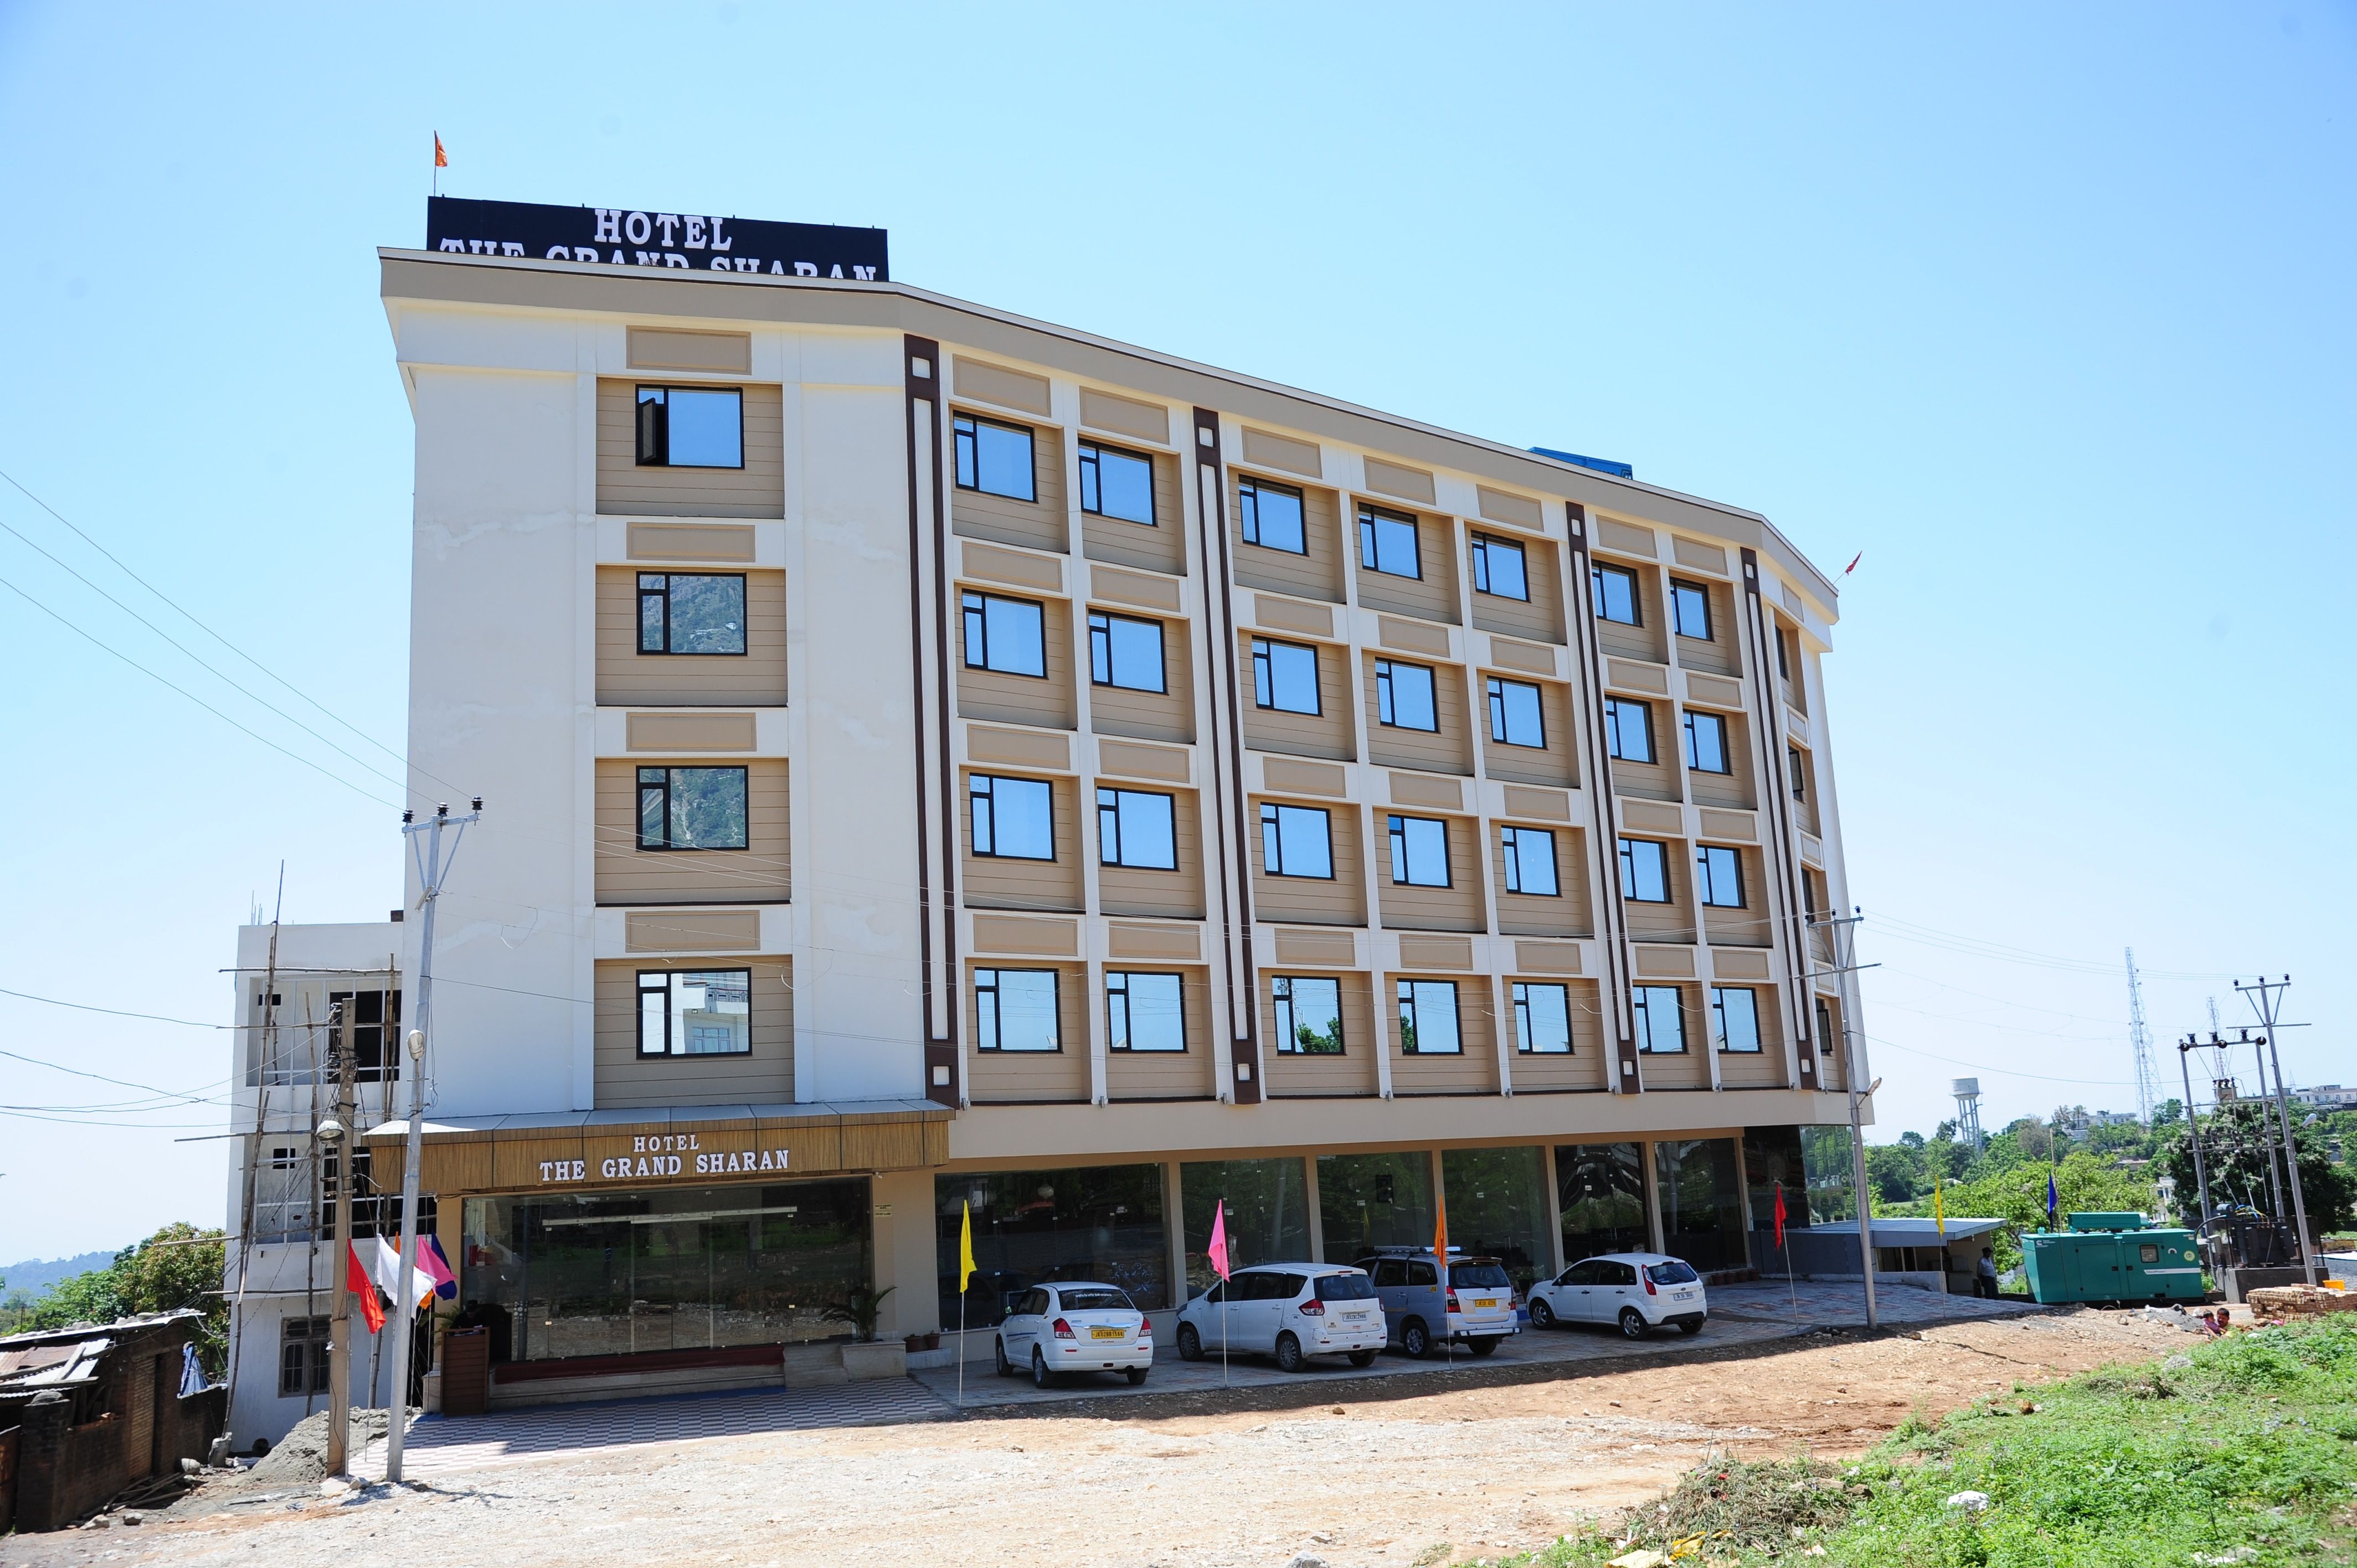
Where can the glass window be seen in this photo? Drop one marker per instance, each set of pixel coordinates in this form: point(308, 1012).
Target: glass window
point(1772, 1160)
point(1616, 593)
point(1427, 1015)
point(1498, 568)
point(691, 428)
point(1284, 676)
point(1797, 766)
point(1013, 819)
point(1783, 659)
point(1515, 717)
point(681, 613)
point(1530, 861)
point(1706, 743)
point(1124, 651)
point(1115, 483)
point(1735, 1018)
point(1690, 610)
point(1388, 542)
point(1644, 871)
point(1403, 696)
point(1308, 1015)
point(1718, 876)
point(302, 1356)
point(1419, 852)
point(1015, 1010)
point(692, 808)
point(1296, 841)
point(994, 458)
point(1701, 1210)
point(1267, 1213)
point(1365, 1201)
point(1600, 1196)
point(1629, 730)
point(1497, 1209)
point(1136, 828)
point(1270, 515)
point(1542, 1017)
point(1104, 1224)
point(1143, 1012)
point(1009, 636)
point(696, 1013)
point(1661, 1025)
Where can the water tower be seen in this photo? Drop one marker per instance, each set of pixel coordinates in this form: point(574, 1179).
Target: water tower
point(1967, 1091)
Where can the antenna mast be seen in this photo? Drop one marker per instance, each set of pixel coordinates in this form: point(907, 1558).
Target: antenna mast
point(2148, 1075)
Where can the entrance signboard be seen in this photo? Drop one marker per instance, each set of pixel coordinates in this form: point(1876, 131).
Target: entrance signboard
point(631, 237)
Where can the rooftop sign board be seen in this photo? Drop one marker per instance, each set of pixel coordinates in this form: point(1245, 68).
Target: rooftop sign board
point(625, 237)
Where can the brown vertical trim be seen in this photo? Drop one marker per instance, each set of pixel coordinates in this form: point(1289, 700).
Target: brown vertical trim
point(1212, 517)
point(921, 371)
point(1807, 1050)
point(1613, 925)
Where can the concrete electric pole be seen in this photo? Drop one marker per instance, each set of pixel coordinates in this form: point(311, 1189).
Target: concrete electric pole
point(2264, 999)
point(343, 1147)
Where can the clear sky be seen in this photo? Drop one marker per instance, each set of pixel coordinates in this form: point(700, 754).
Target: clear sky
point(2047, 310)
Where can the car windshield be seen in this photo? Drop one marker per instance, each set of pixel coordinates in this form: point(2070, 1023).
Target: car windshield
point(1097, 1299)
point(1673, 1273)
point(1479, 1276)
point(1345, 1287)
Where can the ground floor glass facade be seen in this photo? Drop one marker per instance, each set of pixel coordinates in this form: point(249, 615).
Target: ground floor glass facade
point(1365, 1201)
point(1267, 1213)
point(1498, 1207)
point(1701, 1202)
point(1091, 1222)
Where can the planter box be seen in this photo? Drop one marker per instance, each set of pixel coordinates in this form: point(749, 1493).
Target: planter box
point(882, 1358)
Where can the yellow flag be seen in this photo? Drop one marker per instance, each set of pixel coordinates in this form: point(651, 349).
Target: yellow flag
point(965, 1249)
point(1939, 1210)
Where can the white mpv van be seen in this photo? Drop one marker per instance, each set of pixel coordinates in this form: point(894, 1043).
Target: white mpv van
point(1290, 1311)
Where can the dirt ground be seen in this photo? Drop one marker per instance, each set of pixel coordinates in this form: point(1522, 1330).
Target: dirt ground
point(1380, 1477)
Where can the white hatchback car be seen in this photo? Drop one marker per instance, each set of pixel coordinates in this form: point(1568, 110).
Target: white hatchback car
point(1075, 1326)
point(1290, 1311)
point(1639, 1291)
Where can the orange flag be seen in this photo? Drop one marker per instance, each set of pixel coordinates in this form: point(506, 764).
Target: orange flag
point(1440, 1241)
point(441, 158)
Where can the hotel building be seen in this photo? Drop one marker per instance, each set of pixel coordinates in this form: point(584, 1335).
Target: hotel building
point(936, 758)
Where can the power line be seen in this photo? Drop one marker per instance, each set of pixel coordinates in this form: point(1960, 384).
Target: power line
point(118, 1082)
point(114, 1012)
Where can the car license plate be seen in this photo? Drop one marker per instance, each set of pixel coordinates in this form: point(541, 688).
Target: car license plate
point(1355, 1316)
point(1106, 1333)
point(1685, 1295)
point(1486, 1301)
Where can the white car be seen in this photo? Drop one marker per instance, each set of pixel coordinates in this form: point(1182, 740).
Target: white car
point(1637, 1292)
point(1075, 1326)
point(1290, 1311)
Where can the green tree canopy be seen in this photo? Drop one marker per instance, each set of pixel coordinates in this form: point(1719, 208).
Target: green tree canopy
point(2238, 1140)
point(179, 1266)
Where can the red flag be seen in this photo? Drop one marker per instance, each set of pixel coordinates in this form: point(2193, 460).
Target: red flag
point(442, 160)
point(1846, 571)
point(1218, 1251)
point(356, 1277)
point(1779, 1214)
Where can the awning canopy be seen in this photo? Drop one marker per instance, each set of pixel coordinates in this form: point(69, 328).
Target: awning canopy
point(1909, 1231)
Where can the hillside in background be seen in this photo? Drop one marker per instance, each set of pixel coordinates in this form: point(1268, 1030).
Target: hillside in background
point(35, 1275)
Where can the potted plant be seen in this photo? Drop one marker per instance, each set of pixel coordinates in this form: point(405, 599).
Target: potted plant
point(860, 1311)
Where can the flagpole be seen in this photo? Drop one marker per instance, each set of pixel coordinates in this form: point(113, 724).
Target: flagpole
point(960, 1350)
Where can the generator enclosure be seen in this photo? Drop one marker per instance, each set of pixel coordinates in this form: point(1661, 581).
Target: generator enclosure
point(2112, 1257)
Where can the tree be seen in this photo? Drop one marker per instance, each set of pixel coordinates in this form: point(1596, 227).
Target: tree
point(2018, 1195)
point(2239, 1142)
point(2167, 1111)
point(179, 1266)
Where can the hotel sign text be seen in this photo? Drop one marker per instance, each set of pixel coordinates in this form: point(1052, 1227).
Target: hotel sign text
point(667, 1156)
point(627, 237)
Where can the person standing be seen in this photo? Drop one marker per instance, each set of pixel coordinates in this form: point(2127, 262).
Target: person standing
point(1985, 1275)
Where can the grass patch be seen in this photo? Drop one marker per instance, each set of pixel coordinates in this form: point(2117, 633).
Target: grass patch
point(2241, 1451)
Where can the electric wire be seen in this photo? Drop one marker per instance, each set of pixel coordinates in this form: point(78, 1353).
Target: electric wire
point(115, 1011)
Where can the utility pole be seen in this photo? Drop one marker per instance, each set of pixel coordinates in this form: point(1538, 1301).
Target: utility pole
point(2264, 999)
point(432, 868)
point(343, 1145)
point(2267, 1127)
point(2148, 1075)
point(2193, 1131)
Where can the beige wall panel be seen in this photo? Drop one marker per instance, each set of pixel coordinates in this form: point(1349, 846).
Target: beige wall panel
point(1431, 597)
point(723, 542)
point(1024, 748)
point(1314, 575)
point(1038, 939)
point(1751, 926)
point(1739, 826)
point(1735, 963)
point(627, 678)
point(1623, 540)
point(1316, 948)
point(1542, 805)
point(1423, 790)
point(688, 732)
point(1647, 640)
point(1266, 449)
point(1556, 764)
point(1436, 952)
point(1116, 587)
point(1763, 1068)
point(1502, 506)
point(1536, 915)
point(1652, 780)
point(1731, 789)
point(1672, 921)
point(1698, 555)
point(1325, 733)
point(1168, 1075)
point(1001, 385)
point(756, 489)
point(1710, 692)
point(1664, 963)
point(1291, 777)
point(1182, 943)
point(1457, 908)
point(692, 930)
point(1540, 617)
point(628, 875)
point(1448, 750)
point(1038, 524)
point(1165, 716)
point(1125, 416)
point(1287, 615)
point(995, 881)
point(1588, 1065)
point(1547, 958)
point(1633, 675)
point(1292, 1075)
point(1412, 636)
point(1398, 482)
point(1524, 658)
point(1474, 1071)
point(1161, 547)
point(1142, 762)
point(622, 1077)
point(1312, 901)
point(1046, 702)
point(1642, 817)
point(1016, 1076)
point(1719, 655)
point(673, 349)
point(1689, 1068)
point(995, 566)
point(1166, 895)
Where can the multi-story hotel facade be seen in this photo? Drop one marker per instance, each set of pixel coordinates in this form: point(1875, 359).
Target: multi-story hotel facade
point(935, 759)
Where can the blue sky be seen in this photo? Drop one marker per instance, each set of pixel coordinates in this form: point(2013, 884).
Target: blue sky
point(2045, 309)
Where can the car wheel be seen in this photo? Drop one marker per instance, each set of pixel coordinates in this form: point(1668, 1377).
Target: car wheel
point(1005, 1367)
point(1415, 1338)
point(1632, 1324)
point(1482, 1344)
point(1689, 1327)
point(1362, 1358)
point(1041, 1375)
point(1190, 1344)
point(1289, 1357)
point(1541, 1314)
point(1137, 1376)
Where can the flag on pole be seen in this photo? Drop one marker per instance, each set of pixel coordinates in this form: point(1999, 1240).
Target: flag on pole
point(1217, 1251)
point(1939, 1210)
point(1441, 1239)
point(441, 158)
point(1846, 571)
point(966, 1249)
point(356, 1278)
point(2053, 1200)
point(432, 1260)
point(1780, 1216)
point(388, 1274)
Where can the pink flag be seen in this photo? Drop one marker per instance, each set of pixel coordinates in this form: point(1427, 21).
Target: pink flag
point(1219, 1248)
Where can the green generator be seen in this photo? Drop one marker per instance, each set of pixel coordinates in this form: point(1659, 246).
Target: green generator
point(2112, 1257)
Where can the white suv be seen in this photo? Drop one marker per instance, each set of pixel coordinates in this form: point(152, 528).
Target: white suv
point(1639, 1291)
point(1075, 1326)
point(1290, 1311)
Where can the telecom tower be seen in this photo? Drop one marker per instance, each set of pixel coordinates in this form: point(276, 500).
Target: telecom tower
point(2148, 1075)
point(1967, 1091)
